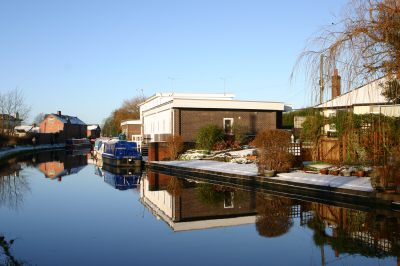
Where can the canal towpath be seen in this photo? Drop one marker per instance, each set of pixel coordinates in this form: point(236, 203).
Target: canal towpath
point(12, 151)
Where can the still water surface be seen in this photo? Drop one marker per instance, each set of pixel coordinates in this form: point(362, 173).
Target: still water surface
point(60, 209)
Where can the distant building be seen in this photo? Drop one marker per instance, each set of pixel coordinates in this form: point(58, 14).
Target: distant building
point(24, 130)
point(132, 129)
point(70, 126)
point(166, 114)
point(93, 131)
point(367, 99)
point(9, 122)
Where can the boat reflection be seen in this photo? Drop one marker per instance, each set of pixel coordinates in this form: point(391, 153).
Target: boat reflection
point(120, 178)
point(188, 204)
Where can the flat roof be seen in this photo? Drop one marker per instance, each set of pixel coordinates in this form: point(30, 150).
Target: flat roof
point(131, 122)
point(209, 101)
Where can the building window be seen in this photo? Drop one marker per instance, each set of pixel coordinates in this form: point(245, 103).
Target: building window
point(228, 199)
point(228, 125)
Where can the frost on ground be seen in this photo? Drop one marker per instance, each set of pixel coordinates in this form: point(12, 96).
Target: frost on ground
point(347, 182)
point(240, 156)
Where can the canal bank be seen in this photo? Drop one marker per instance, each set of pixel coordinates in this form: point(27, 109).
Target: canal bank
point(323, 188)
point(18, 150)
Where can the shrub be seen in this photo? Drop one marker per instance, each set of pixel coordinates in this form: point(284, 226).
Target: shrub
point(220, 145)
point(208, 136)
point(175, 146)
point(273, 150)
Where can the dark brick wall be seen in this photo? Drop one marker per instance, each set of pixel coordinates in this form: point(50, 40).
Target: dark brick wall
point(131, 130)
point(189, 121)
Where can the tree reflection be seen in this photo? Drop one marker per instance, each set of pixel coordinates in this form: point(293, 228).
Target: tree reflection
point(273, 215)
point(210, 194)
point(175, 186)
point(13, 185)
point(9, 259)
point(355, 232)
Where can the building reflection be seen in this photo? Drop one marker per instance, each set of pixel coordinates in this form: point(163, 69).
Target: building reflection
point(57, 164)
point(374, 233)
point(187, 205)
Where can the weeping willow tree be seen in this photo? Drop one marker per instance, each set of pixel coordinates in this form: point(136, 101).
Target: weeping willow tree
point(364, 44)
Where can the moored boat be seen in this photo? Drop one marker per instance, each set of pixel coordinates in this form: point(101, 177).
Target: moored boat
point(98, 147)
point(121, 153)
point(72, 144)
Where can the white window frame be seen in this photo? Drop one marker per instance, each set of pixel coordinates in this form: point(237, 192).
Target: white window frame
point(223, 124)
point(232, 203)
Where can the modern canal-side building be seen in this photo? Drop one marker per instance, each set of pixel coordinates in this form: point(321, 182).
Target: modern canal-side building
point(70, 126)
point(183, 114)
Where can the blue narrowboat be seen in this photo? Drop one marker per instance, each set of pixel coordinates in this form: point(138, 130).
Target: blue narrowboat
point(121, 153)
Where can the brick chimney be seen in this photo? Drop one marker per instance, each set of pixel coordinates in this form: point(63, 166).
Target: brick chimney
point(335, 84)
point(59, 113)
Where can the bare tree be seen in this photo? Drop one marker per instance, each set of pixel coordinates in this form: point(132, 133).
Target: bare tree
point(364, 45)
point(12, 108)
point(13, 186)
point(38, 118)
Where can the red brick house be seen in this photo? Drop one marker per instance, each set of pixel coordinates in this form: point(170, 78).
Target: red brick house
point(70, 126)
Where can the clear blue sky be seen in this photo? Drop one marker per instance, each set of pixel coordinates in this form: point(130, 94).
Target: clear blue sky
point(84, 57)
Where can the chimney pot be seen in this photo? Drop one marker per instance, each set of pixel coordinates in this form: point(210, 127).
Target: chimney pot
point(58, 112)
point(336, 84)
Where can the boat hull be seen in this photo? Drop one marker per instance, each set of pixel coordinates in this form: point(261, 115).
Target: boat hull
point(123, 162)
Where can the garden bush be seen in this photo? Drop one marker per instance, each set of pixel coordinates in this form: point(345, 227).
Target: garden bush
point(208, 136)
point(273, 150)
point(175, 146)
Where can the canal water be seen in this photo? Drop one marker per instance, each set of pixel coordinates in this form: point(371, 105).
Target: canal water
point(66, 209)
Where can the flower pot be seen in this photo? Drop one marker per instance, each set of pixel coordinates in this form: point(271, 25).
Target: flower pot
point(323, 171)
point(360, 173)
point(334, 172)
point(269, 173)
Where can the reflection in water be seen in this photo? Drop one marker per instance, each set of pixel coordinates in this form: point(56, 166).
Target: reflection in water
point(6, 258)
point(120, 178)
point(371, 234)
point(186, 204)
point(13, 185)
point(273, 215)
point(57, 164)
